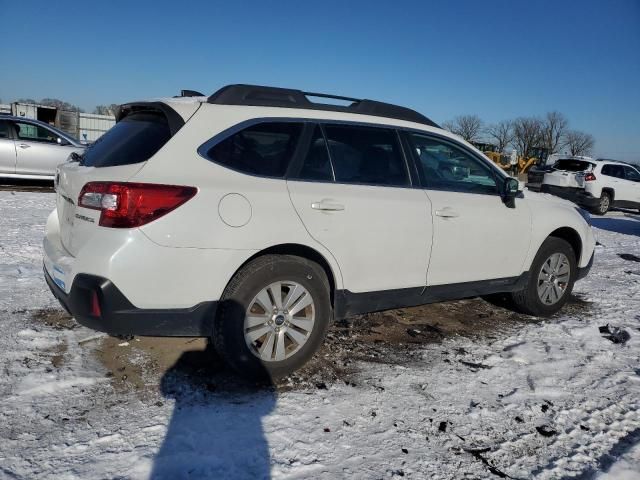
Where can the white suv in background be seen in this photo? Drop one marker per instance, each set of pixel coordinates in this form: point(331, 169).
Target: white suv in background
point(611, 184)
point(257, 216)
point(594, 184)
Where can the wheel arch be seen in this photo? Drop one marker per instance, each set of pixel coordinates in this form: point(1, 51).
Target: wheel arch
point(304, 251)
point(610, 191)
point(572, 237)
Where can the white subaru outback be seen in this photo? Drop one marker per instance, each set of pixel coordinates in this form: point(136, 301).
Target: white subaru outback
point(256, 216)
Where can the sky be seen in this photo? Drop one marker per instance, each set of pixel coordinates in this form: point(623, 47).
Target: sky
point(499, 59)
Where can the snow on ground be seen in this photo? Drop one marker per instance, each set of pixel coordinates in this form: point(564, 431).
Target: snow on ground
point(539, 399)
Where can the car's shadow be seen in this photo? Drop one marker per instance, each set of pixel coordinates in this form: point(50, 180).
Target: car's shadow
point(630, 225)
point(215, 430)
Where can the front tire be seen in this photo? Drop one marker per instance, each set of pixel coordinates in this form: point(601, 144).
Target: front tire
point(273, 316)
point(604, 205)
point(551, 278)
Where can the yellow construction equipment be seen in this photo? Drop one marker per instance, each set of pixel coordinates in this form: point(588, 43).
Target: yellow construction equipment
point(504, 161)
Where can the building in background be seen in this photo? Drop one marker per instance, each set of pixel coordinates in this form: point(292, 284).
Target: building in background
point(86, 127)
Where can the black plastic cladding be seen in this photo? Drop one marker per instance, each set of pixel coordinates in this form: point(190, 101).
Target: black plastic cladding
point(256, 95)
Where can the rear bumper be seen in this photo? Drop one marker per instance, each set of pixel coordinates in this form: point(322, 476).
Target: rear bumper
point(119, 317)
point(568, 193)
point(574, 194)
point(587, 200)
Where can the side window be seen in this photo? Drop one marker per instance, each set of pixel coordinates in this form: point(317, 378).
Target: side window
point(366, 155)
point(35, 133)
point(631, 174)
point(611, 170)
point(264, 149)
point(4, 129)
point(316, 165)
point(443, 166)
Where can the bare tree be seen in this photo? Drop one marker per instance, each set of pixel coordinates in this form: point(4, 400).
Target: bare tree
point(106, 109)
point(468, 127)
point(580, 143)
point(502, 133)
point(60, 104)
point(527, 135)
point(554, 130)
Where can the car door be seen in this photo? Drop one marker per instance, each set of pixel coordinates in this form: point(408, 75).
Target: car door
point(7, 149)
point(632, 185)
point(39, 150)
point(475, 235)
point(614, 179)
point(353, 193)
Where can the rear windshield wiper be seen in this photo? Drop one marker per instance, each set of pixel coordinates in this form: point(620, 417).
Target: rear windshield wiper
point(76, 157)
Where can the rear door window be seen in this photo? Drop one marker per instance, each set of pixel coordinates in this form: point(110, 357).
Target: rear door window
point(264, 149)
point(4, 130)
point(316, 165)
point(613, 171)
point(366, 155)
point(134, 139)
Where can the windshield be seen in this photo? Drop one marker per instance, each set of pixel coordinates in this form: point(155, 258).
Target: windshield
point(134, 139)
point(572, 165)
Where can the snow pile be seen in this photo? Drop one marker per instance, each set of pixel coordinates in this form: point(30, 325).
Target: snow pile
point(545, 399)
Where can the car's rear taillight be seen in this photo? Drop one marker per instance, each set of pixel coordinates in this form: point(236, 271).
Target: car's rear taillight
point(128, 205)
point(589, 177)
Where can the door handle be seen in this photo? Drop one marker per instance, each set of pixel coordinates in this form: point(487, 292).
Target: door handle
point(23, 145)
point(447, 213)
point(325, 206)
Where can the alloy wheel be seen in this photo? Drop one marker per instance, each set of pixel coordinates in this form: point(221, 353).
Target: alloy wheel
point(553, 278)
point(279, 321)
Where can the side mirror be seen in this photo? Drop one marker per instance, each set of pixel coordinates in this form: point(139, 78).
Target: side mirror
point(510, 190)
point(61, 141)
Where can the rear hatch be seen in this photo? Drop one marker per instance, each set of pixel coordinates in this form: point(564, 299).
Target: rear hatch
point(141, 130)
point(568, 173)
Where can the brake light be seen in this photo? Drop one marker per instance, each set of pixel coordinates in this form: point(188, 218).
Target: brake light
point(129, 205)
point(589, 177)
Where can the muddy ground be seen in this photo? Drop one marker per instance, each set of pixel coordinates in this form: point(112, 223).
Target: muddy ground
point(394, 337)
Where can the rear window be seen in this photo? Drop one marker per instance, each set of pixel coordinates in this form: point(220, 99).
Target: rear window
point(572, 165)
point(134, 139)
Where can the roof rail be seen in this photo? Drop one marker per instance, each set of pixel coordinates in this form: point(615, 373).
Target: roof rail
point(257, 95)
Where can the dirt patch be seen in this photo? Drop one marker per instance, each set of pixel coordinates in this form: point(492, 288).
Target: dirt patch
point(54, 318)
point(57, 355)
point(397, 337)
point(394, 337)
point(138, 363)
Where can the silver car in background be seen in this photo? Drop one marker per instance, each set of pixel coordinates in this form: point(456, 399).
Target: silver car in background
point(31, 149)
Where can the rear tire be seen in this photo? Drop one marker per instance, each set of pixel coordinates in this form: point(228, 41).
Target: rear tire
point(551, 278)
point(604, 205)
point(259, 330)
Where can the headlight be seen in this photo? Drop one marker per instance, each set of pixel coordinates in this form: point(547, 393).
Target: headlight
point(584, 214)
